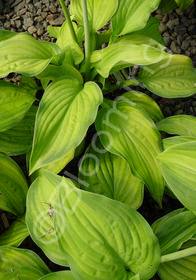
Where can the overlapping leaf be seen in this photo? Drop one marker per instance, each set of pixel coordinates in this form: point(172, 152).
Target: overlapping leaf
point(66, 111)
point(110, 175)
point(14, 103)
point(146, 103)
point(16, 233)
point(183, 125)
point(23, 54)
point(18, 139)
point(132, 15)
point(172, 77)
point(99, 12)
point(175, 140)
point(103, 238)
point(13, 186)
point(179, 170)
point(124, 52)
point(183, 4)
point(61, 275)
point(39, 215)
point(167, 5)
point(128, 131)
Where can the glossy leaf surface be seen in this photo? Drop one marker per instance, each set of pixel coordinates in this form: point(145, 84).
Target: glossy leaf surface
point(172, 77)
point(110, 175)
point(66, 111)
point(13, 186)
point(128, 131)
point(14, 103)
point(179, 170)
point(132, 15)
point(39, 215)
point(103, 238)
point(25, 55)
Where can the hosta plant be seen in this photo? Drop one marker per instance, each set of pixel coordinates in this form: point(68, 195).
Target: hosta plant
point(87, 81)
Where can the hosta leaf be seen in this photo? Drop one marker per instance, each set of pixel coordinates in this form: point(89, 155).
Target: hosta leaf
point(128, 16)
point(127, 130)
point(183, 4)
point(12, 259)
point(146, 103)
point(13, 186)
point(124, 52)
point(167, 5)
point(171, 141)
point(22, 273)
point(174, 229)
point(16, 233)
point(29, 84)
point(6, 34)
point(23, 54)
point(53, 72)
point(66, 111)
point(73, 52)
point(14, 103)
point(179, 170)
point(39, 215)
point(183, 125)
point(172, 77)
point(99, 12)
point(152, 30)
point(61, 275)
point(110, 175)
point(103, 238)
point(18, 139)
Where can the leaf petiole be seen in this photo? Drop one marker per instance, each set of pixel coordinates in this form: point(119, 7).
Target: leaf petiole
point(179, 255)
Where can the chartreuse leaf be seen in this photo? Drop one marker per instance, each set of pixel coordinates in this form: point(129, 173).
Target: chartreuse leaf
point(171, 141)
point(61, 275)
point(18, 139)
point(132, 15)
point(29, 84)
point(39, 215)
point(110, 175)
point(6, 34)
point(175, 231)
point(16, 233)
point(66, 111)
point(53, 72)
point(14, 103)
point(103, 238)
point(167, 5)
point(183, 125)
point(99, 12)
point(122, 53)
point(127, 130)
point(23, 54)
point(146, 103)
point(183, 4)
point(172, 77)
point(13, 186)
point(179, 170)
point(152, 30)
point(20, 264)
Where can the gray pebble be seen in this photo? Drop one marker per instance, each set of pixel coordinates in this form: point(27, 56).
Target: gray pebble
point(185, 45)
point(32, 29)
point(27, 22)
point(172, 23)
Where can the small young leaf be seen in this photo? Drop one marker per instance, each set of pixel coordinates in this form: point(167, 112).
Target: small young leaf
point(183, 125)
point(61, 275)
point(103, 238)
point(124, 52)
point(99, 12)
point(167, 5)
point(25, 55)
point(18, 139)
point(184, 4)
point(146, 103)
point(66, 111)
point(39, 215)
point(179, 170)
point(172, 77)
point(175, 140)
point(14, 103)
point(127, 130)
point(110, 175)
point(12, 259)
point(13, 186)
point(132, 15)
point(16, 233)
